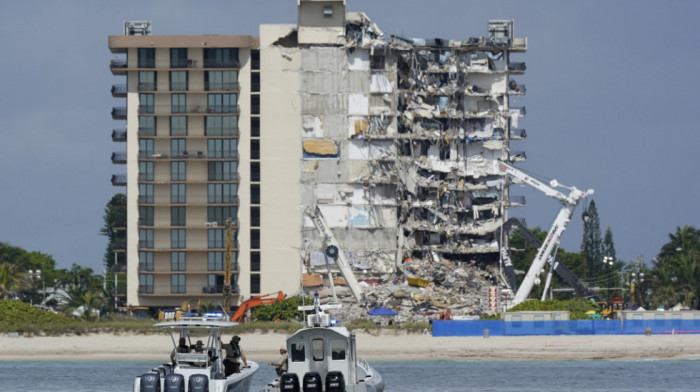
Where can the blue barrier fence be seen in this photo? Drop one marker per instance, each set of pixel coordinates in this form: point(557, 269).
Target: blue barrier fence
point(569, 327)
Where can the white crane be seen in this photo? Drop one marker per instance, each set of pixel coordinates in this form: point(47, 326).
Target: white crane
point(551, 242)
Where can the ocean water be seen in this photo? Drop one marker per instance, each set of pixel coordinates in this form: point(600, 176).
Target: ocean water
point(520, 376)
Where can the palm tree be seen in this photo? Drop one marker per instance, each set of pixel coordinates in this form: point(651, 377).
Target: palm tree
point(679, 264)
point(9, 280)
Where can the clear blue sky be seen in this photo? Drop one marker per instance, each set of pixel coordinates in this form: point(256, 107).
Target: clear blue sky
point(612, 104)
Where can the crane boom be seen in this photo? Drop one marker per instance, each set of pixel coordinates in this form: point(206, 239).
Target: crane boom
point(316, 216)
point(569, 203)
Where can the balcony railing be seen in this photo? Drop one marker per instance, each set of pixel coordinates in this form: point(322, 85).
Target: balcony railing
point(118, 157)
point(222, 131)
point(519, 134)
point(215, 63)
point(521, 67)
point(146, 109)
point(145, 244)
point(224, 200)
point(145, 199)
point(147, 131)
point(146, 222)
point(119, 135)
point(233, 177)
point(119, 113)
point(147, 86)
point(118, 245)
point(183, 63)
point(119, 179)
point(118, 63)
point(214, 109)
point(119, 90)
point(178, 86)
point(221, 86)
point(224, 155)
point(145, 289)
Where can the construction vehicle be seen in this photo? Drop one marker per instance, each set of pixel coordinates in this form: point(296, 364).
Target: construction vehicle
point(253, 302)
point(332, 250)
point(551, 242)
point(558, 267)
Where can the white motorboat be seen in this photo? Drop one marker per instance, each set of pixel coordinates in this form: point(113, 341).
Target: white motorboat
point(323, 358)
point(201, 369)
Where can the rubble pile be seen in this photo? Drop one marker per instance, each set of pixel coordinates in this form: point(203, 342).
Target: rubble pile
point(418, 292)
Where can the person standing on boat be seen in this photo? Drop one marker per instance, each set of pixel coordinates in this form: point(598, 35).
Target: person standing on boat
point(281, 362)
point(182, 347)
point(234, 354)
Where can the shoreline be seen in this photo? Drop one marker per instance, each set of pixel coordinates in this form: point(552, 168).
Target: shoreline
point(374, 347)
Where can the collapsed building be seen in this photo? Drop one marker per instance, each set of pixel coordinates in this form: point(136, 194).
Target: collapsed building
point(398, 136)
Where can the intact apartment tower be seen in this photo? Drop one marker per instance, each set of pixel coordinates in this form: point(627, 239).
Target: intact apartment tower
point(389, 140)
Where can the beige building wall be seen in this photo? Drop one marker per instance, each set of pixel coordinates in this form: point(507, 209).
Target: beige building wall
point(280, 153)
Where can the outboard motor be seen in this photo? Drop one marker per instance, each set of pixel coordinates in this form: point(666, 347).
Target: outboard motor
point(312, 382)
point(175, 383)
point(335, 382)
point(150, 382)
point(289, 382)
point(198, 383)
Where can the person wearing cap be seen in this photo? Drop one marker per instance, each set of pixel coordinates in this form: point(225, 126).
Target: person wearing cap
point(234, 353)
point(199, 347)
point(281, 363)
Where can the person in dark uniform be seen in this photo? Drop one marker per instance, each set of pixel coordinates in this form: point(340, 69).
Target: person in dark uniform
point(182, 347)
point(234, 354)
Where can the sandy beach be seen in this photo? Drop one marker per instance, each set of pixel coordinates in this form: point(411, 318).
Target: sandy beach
point(382, 346)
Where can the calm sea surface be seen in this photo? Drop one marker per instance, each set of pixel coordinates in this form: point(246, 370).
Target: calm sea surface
point(676, 376)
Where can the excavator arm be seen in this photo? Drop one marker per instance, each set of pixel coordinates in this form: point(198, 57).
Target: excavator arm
point(254, 302)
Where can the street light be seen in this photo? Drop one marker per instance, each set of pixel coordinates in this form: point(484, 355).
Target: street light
point(637, 280)
point(609, 261)
point(36, 275)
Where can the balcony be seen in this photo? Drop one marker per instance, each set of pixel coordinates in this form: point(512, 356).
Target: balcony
point(220, 86)
point(183, 63)
point(221, 131)
point(233, 177)
point(119, 90)
point(119, 135)
point(118, 66)
point(147, 109)
point(118, 269)
point(517, 156)
point(147, 86)
point(517, 68)
point(216, 63)
point(518, 134)
point(119, 246)
point(119, 179)
point(119, 113)
point(119, 224)
point(119, 158)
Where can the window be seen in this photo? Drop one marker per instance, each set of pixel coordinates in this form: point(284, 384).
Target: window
point(178, 239)
point(146, 193)
point(317, 349)
point(178, 148)
point(177, 216)
point(298, 352)
point(215, 239)
point(255, 284)
point(145, 284)
point(255, 149)
point(255, 82)
point(177, 261)
point(255, 194)
point(146, 148)
point(220, 214)
point(255, 239)
point(145, 216)
point(222, 193)
point(376, 62)
point(223, 171)
point(178, 58)
point(177, 284)
point(255, 216)
point(255, 171)
point(145, 261)
point(178, 103)
point(255, 126)
point(215, 261)
point(255, 59)
point(337, 349)
point(222, 148)
point(177, 171)
point(177, 193)
point(146, 103)
point(147, 126)
point(178, 80)
point(255, 261)
point(145, 171)
point(221, 58)
point(221, 126)
point(222, 103)
point(178, 126)
point(147, 81)
point(146, 238)
point(220, 80)
point(147, 57)
point(255, 104)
